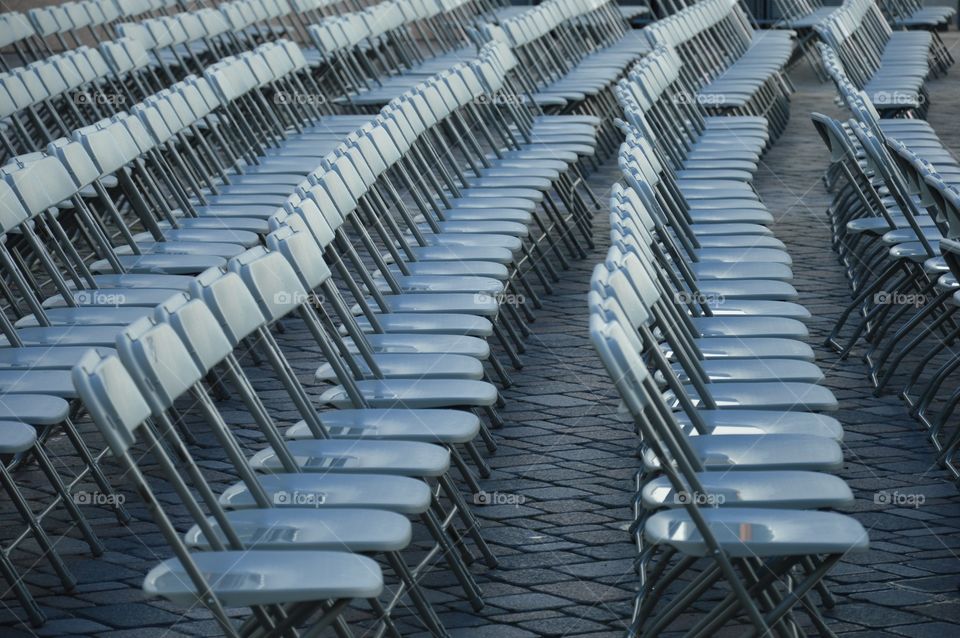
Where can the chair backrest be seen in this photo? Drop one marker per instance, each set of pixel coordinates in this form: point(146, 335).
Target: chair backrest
point(230, 301)
point(302, 251)
point(198, 329)
point(158, 361)
point(271, 280)
point(111, 397)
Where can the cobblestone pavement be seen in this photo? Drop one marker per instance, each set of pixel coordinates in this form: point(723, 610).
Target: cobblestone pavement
point(562, 476)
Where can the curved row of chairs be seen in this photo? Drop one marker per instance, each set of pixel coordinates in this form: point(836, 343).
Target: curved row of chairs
point(895, 220)
point(190, 210)
point(733, 68)
point(695, 321)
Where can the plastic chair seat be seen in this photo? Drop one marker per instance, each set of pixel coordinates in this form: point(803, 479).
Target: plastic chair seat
point(788, 490)
point(411, 344)
point(90, 316)
point(754, 348)
point(416, 394)
point(493, 200)
point(222, 236)
point(103, 336)
point(706, 171)
point(430, 426)
point(486, 214)
point(444, 283)
point(752, 533)
point(353, 530)
point(45, 358)
point(414, 366)
point(718, 215)
point(757, 308)
point(429, 323)
point(771, 395)
point(457, 252)
point(34, 409)
point(240, 224)
point(539, 172)
point(776, 327)
point(755, 452)
point(143, 280)
point(498, 192)
point(455, 268)
point(729, 370)
point(446, 303)
point(343, 456)
point(24, 381)
point(268, 577)
point(172, 264)
point(16, 437)
point(258, 211)
point(113, 298)
point(534, 154)
point(392, 493)
point(474, 240)
point(488, 226)
point(541, 164)
point(724, 248)
point(770, 290)
point(710, 270)
point(723, 422)
point(499, 181)
point(705, 230)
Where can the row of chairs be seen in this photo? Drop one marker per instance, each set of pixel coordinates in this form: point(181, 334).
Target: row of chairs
point(155, 249)
point(909, 14)
point(394, 41)
point(37, 34)
point(734, 68)
point(869, 35)
point(63, 91)
point(891, 66)
point(571, 53)
point(894, 220)
point(694, 319)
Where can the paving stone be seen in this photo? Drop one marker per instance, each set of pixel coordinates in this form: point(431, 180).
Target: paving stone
point(564, 626)
point(65, 626)
point(527, 602)
point(129, 615)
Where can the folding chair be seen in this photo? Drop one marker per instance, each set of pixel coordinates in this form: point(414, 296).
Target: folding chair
point(230, 574)
point(762, 559)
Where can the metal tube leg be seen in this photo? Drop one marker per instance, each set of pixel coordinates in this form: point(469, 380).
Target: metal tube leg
point(456, 565)
point(468, 519)
point(43, 461)
point(427, 614)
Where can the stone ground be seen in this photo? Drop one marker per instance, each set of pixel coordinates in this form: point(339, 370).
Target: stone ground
point(565, 465)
